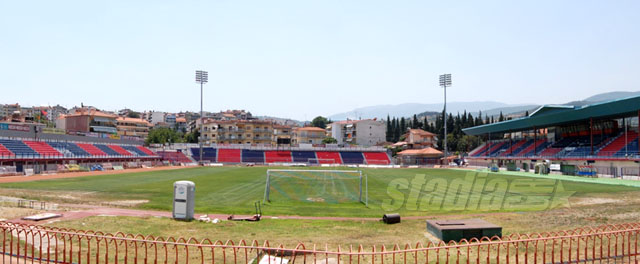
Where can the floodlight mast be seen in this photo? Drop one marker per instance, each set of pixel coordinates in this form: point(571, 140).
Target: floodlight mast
point(445, 80)
point(202, 77)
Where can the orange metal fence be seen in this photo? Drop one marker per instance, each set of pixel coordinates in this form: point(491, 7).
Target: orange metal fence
point(39, 244)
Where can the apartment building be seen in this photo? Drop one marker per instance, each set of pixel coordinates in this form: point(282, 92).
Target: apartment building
point(238, 131)
point(282, 134)
point(418, 139)
point(366, 132)
point(308, 135)
point(135, 127)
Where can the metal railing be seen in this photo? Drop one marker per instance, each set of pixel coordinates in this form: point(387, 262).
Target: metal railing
point(38, 244)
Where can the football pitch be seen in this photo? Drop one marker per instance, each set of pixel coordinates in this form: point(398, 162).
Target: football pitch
point(410, 192)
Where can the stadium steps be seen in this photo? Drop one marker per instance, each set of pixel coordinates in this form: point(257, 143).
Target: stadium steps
point(18, 148)
point(273, 156)
point(535, 146)
point(377, 158)
point(618, 144)
point(630, 149)
point(91, 149)
point(42, 148)
point(147, 151)
point(174, 156)
point(550, 152)
point(495, 146)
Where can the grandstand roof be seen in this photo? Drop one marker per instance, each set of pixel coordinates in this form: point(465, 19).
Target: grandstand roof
point(554, 115)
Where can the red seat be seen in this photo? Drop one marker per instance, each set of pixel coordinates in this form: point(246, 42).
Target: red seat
point(120, 150)
point(377, 158)
point(230, 155)
point(277, 156)
point(4, 152)
point(149, 152)
point(42, 148)
point(328, 157)
point(91, 149)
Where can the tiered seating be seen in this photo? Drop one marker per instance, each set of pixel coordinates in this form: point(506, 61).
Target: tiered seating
point(71, 147)
point(328, 157)
point(43, 148)
point(511, 149)
point(121, 150)
point(175, 156)
point(349, 157)
point(377, 158)
point(91, 149)
point(229, 155)
point(252, 156)
point(18, 148)
point(550, 152)
point(538, 146)
point(618, 144)
point(107, 149)
point(146, 151)
point(135, 150)
point(4, 152)
point(271, 156)
point(479, 150)
point(209, 154)
point(495, 147)
point(304, 156)
point(630, 149)
point(516, 151)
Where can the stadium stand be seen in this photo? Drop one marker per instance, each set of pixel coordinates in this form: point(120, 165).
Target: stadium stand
point(479, 150)
point(18, 148)
point(304, 156)
point(349, 157)
point(377, 158)
point(272, 156)
point(618, 144)
point(208, 154)
point(91, 149)
point(229, 155)
point(42, 148)
point(513, 146)
point(329, 157)
point(252, 156)
point(630, 149)
point(71, 148)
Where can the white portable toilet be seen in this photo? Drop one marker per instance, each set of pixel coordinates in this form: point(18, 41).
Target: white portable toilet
point(184, 194)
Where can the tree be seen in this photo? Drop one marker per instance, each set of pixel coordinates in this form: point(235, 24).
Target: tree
point(163, 135)
point(389, 134)
point(501, 118)
point(192, 137)
point(329, 140)
point(320, 121)
point(133, 114)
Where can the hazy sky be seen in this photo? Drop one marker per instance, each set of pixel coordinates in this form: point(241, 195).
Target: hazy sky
point(303, 58)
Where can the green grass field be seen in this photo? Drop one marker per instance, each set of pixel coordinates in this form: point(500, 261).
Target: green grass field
point(233, 190)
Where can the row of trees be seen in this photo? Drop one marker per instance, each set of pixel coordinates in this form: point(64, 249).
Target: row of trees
point(456, 139)
point(164, 135)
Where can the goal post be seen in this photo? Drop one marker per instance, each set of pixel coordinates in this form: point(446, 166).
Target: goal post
point(330, 186)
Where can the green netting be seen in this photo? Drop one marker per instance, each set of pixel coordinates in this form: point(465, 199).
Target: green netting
point(326, 186)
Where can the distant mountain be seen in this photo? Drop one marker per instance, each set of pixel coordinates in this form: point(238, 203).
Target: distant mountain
point(490, 108)
point(409, 109)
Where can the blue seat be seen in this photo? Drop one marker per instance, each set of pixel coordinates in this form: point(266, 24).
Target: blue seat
point(19, 148)
point(304, 156)
point(71, 147)
point(107, 150)
point(209, 154)
point(352, 157)
point(134, 149)
point(253, 156)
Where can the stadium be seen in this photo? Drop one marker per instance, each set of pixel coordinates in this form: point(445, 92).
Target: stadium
point(249, 196)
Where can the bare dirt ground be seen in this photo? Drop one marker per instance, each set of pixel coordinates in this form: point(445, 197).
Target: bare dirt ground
point(9, 179)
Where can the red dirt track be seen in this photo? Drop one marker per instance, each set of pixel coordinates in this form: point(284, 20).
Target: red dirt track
point(9, 179)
